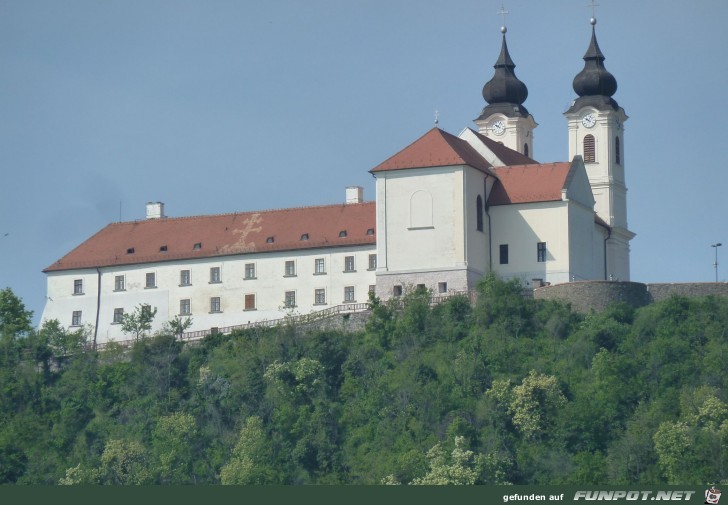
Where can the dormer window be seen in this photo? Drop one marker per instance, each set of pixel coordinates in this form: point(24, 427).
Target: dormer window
point(370, 231)
point(304, 236)
point(197, 246)
point(342, 234)
point(163, 248)
point(270, 240)
point(130, 250)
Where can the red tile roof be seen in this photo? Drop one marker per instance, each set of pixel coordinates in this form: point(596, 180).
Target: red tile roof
point(222, 235)
point(507, 155)
point(529, 183)
point(436, 148)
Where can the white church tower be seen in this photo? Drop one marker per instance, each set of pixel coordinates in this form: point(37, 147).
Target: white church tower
point(596, 133)
point(505, 119)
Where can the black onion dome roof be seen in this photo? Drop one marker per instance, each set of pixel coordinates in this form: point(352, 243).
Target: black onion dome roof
point(505, 87)
point(594, 79)
point(505, 93)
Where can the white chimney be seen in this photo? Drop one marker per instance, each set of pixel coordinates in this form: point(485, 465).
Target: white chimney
point(354, 194)
point(155, 210)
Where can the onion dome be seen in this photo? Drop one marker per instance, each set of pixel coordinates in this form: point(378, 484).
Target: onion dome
point(505, 93)
point(594, 84)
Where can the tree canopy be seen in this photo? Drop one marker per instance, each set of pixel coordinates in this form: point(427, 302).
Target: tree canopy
point(505, 389)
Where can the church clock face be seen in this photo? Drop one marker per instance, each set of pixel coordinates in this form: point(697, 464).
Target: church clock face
point(498, 127)
point(589, 120)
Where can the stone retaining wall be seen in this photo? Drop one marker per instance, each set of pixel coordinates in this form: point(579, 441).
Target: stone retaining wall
point(587, 295)
point(351, 322)
point(662, 291)
point(597, 295)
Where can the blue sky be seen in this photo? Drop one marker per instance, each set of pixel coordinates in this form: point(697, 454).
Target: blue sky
point(216, 106)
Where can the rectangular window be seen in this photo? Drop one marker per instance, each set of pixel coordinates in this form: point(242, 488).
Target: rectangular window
point(442, 287)
point(250, 302)
point(118, 316)
point(319, 266)
point(215, 304)
point(541, 252)
point(372, 262)
point(372, 288)
point(290, 299)
point(250, 270)
point(290, 268)
point(147, 310)
point(348, 263)
point(320, 296)
point(78, 287)
point(184, 278)
point(397, 291)
point(151, 280)
point(215, 275)
point(184, 307)
point(349, 294)
point(119, 284)
point(504, 254)
point(76, 318)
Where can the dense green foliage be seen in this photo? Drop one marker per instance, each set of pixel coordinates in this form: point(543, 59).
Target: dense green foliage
point(505, 390)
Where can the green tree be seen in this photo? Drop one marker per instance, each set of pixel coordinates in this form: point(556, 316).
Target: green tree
point(178, 325)
point(533, 405)
point(139, 322)
point(252, 457)
point(15, 321)
point(460, 468)
point(174, 440)
point(124, 462)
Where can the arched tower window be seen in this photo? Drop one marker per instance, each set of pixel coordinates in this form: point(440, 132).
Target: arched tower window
point(479, 213)
point(525, 149)
point(589, 149)
point(617, 151)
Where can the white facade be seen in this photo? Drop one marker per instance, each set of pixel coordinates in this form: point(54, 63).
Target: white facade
point(428, 231)
point(218, 293)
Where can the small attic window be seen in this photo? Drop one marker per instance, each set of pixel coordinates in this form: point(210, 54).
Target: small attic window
point(130, 250)
point(370, 231)
point(163, 248)
point(342, 234)
point(197, 246)
point(304, 236)
point(270, 240)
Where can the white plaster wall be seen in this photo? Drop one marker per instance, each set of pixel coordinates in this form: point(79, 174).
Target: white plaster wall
point(583, 260)
point(403, 247)
point(476, 242)
point(269, 287)
point(61, 302)
point(522, 226)
point(598, 246)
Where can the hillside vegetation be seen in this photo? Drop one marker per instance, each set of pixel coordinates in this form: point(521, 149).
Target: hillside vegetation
point(507, 390)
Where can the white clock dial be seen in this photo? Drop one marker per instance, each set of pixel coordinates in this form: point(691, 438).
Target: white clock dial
point(589, 120)
point(498, 127)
